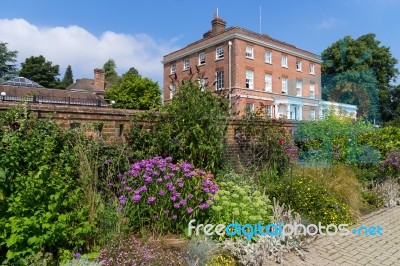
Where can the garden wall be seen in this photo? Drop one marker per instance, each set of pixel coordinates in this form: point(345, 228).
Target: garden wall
point(112, 124)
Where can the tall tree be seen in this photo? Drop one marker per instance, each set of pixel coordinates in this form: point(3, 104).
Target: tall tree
point(133, 71)
point(68, 78)
point(7, 60)
point(359, 71)
point(135, 92)
point(36, 68)
point(111, 74)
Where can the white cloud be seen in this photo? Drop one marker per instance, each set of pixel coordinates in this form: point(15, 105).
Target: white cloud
point(84, 51)
point(328, 24)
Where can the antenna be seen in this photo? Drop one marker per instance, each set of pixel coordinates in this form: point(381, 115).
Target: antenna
point(217, 12)
point(260, 19)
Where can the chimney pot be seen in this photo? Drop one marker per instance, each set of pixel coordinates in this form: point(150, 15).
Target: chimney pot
point(99, 80)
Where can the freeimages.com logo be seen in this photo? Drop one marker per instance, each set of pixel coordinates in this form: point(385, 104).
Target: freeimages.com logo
point(275, 230)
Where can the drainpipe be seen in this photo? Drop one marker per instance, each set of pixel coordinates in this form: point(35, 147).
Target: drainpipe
point(230, 77)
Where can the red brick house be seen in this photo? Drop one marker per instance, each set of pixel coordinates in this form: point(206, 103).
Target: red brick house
point(255, 70)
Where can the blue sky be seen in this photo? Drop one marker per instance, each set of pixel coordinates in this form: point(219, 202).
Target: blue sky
point(85, 33)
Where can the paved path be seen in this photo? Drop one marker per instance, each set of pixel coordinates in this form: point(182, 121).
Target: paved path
point(357, 250)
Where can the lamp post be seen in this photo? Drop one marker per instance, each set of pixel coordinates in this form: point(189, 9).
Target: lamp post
point(3, 95)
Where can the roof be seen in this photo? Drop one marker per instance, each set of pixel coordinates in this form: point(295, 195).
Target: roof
point(22, 82)
point(240, 33)
point(84, 85)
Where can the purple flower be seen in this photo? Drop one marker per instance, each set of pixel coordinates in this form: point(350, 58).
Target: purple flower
point(206, 190)
point(176, 194)
point(166, 212)
point(120, 175)
point(136, 198)
point(151, 200)
point(159, 180)
point(183, 202)
point(143, 188)
point(214, 189)
point(179, 180)
point(123, 183)
point(148, 179)
point(189, 210)
point(155, 216)
point(109, 161)
point(204, 206)
point(128, 189)
point(161, 192)
point(119, 209)
point(122, 200)
point(174, 217)
point(77, 255)
point(190, 196)
point(211, 198)
point(110, 184)
point(176, 205)
point(168, 159)
point(180, 185)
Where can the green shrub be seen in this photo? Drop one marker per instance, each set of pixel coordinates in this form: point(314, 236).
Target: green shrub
point(190, 128)
point(263, 143)
point(312, 200)
point(39, 190)
point(234, 203)
point(340, 141)
point(222, 260)
point(340, 181)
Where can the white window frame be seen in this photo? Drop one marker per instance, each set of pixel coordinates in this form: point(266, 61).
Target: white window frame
point(312, 90)
point(219, 53)
point(284, 61)
point(173, 68)
point(202, 82)
point(249, 79)
point(312, 69)
point(269, 110)
point(268, 57)
point(202, 59)
point(172, 89)
point(284, 85)
point(251, 109)
point(299, 87)
point(268, 82)
point(298, 65)
point(219, 77)
point(312, 114)
point(186, 64)
point(249, 52)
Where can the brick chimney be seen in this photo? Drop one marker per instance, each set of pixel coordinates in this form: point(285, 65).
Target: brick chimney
point(99, 80)
point(218, 25)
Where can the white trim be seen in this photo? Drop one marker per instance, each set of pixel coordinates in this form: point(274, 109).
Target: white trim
point(253, 97)
point(275, 47)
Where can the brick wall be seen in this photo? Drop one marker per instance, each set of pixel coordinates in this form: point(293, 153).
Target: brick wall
point(115, 122)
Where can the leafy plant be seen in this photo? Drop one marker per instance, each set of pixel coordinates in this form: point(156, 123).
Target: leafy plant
point(340, 181)
point(234, 203)
point(162, 196)
point(39, 190)
point(268, 248)
point(263, 143)
point(310, 198)
point(191, 128)
point(390, 167)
